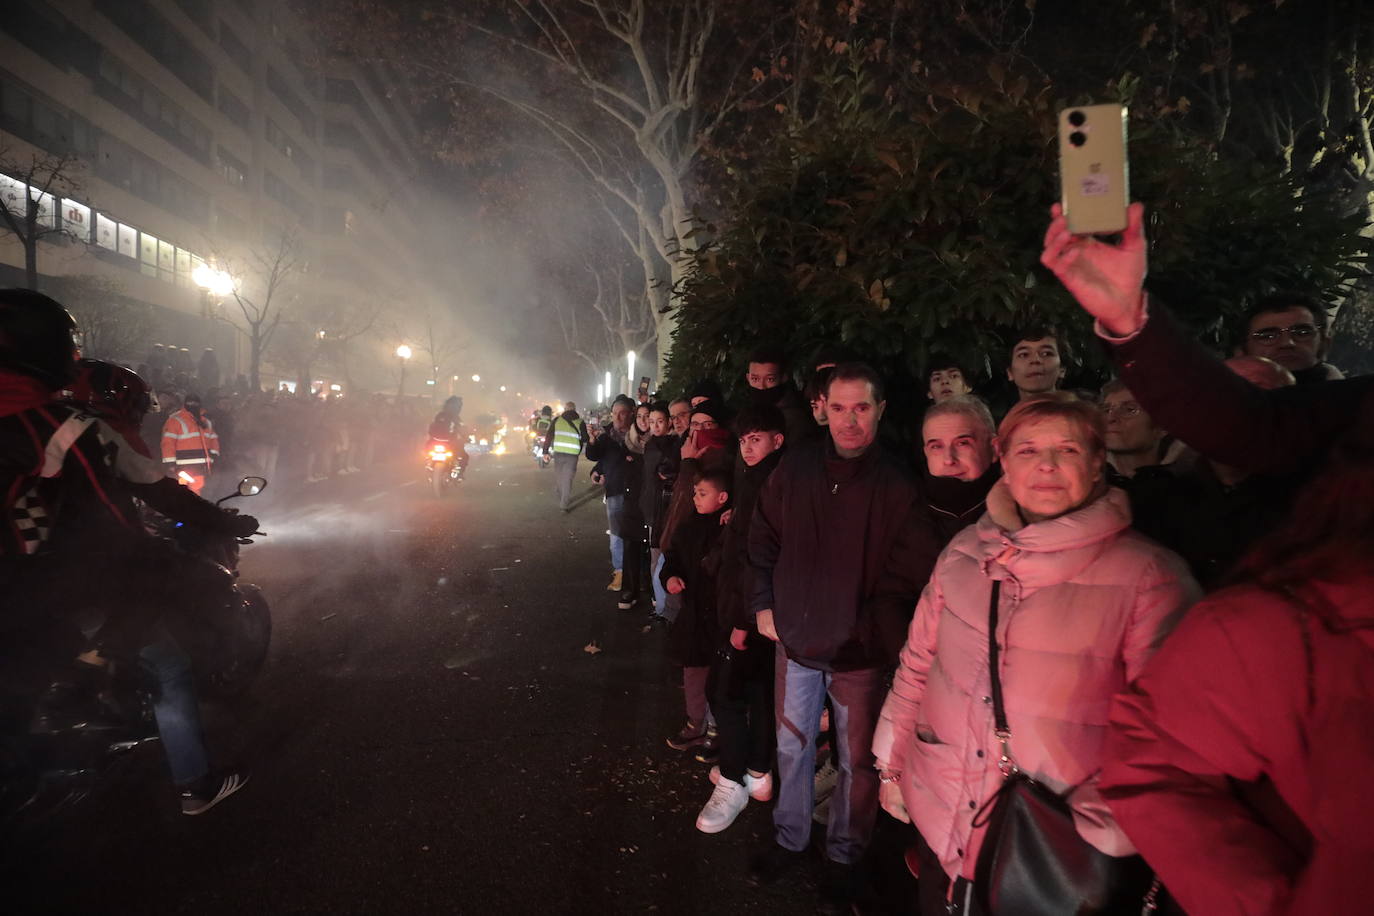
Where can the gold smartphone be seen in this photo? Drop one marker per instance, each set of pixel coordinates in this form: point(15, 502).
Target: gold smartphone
point(1094, 176)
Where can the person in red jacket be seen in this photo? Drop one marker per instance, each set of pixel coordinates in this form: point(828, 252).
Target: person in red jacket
point(190, 444)
point(1238, 761)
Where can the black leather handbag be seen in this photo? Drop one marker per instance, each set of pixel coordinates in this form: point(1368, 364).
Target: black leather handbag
point(1033, 862)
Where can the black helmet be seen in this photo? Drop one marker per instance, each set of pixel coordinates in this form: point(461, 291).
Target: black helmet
point(36, 337)
point(546, 410)
point(106, 389)
point(454, 404)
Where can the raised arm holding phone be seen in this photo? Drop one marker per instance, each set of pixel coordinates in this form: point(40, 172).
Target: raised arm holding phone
point(1182, 385)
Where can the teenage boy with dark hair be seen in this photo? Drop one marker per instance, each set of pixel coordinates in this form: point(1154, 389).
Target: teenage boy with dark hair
point(947, 379)
point(1037, 363)
point(769, 385)
point(689, 567)
point(741, 683)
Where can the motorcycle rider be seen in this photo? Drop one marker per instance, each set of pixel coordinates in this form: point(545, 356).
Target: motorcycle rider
point(72, 532)
point(540, 426)
point(447, 426)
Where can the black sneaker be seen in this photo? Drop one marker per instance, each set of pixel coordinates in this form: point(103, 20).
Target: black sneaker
point(210, 791)
point(773, 863)
point(709, 750)
point(691, 735)
point(627, 601)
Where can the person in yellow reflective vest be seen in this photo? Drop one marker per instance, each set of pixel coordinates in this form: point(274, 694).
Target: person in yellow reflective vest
point(564, 441)
point(190, 444)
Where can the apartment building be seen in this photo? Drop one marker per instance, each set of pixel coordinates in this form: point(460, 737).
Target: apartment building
point(208, 134)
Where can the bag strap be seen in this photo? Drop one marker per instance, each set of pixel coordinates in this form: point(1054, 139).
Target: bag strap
point(999, 710)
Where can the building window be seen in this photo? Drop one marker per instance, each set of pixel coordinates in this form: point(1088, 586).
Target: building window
point(236, 50)
point(106, 232)
point(232, 168)
point(76, 219)
point(166, 261)
point(128, 241)
point(232, 108)
point(147, 262)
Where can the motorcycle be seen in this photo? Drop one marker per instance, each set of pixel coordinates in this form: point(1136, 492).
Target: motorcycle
point(46, 766)
point(228, 635)
point(445, 465)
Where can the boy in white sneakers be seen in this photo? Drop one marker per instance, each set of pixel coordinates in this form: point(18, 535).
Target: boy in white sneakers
point(741, 681)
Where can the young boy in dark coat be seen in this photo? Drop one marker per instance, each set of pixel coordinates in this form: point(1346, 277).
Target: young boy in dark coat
point(741, 682)
point(689, 570)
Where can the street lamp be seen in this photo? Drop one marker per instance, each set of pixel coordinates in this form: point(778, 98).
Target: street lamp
point(630, 370)
point(403, 353)
point(600, 392)
point(212, 282)
point(608, 387)
point(503, 387)
point(476, 377)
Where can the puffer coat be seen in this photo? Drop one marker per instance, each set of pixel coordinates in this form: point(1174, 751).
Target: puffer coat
point(1084, 602)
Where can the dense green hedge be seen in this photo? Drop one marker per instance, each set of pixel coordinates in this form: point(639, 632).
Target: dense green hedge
point(904, 226)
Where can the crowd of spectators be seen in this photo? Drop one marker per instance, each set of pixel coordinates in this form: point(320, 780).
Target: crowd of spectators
point(291, 438)
point(860, 629)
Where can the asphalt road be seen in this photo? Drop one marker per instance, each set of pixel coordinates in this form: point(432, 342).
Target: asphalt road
point(431, 734)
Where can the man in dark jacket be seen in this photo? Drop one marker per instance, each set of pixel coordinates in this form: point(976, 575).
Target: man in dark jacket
point(1185, 388)
point(841, 551)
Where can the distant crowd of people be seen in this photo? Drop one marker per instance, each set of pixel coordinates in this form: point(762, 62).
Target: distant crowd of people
point(204, 430)
point(1155, 600)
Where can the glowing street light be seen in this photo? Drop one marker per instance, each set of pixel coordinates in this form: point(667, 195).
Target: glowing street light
point(217, 282)
point(476, 377)
point(503, 387)
point(608, 386)
point(630, 363)
point(600, 392)
point(403, 353)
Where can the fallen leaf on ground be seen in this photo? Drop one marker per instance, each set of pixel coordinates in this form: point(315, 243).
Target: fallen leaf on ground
point(591, 648)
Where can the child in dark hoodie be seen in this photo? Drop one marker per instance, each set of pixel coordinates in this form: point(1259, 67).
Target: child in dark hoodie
point(689, 570)
point(741, 681)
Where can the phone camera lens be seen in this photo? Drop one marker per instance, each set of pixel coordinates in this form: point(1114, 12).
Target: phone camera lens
point(1078, 138)
point(1077, 118)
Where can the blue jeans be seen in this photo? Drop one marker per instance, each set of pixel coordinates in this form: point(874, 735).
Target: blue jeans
point(660, 593)
point(176, 709)
point(615, 507)
point(856, 698)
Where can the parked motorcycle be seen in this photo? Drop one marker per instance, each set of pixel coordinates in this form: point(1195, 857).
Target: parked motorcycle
point(445, 464)
point(47, 765)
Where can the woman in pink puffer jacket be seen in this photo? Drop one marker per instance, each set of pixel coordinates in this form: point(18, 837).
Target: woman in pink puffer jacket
point(1084, 601)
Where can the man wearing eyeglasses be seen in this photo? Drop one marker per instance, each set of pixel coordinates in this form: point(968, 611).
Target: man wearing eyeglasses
point(1290, 329)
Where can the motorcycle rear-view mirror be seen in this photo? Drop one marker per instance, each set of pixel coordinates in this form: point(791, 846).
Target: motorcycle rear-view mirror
point(252, 486)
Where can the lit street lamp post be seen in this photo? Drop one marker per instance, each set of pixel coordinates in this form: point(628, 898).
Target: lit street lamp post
point(630, 373)
point(403, 354)
point(608, 386)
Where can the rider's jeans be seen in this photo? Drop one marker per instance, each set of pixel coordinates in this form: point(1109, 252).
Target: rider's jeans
point(176, 709)
point(615, 507)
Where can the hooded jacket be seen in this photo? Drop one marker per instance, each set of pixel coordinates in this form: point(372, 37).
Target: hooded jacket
point(840, 550)
point(1239, 761)
point(1084, 602)
point(735, 581)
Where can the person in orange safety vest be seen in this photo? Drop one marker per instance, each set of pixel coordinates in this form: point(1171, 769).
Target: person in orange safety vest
point(190, 444)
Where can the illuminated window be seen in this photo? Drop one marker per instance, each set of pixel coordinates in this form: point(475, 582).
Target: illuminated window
point(76, 219)
point(106, 232)
point(147, 247)
point(128, 241)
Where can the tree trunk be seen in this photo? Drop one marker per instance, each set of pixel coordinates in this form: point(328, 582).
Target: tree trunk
point(31, 261)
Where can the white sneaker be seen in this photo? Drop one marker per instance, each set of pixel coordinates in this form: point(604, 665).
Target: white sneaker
point(725, 804)
point(760, 787)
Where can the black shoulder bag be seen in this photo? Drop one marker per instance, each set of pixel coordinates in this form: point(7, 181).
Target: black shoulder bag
point(1033, 862)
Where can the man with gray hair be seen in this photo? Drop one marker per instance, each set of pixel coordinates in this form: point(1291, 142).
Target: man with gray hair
point(960, 462)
